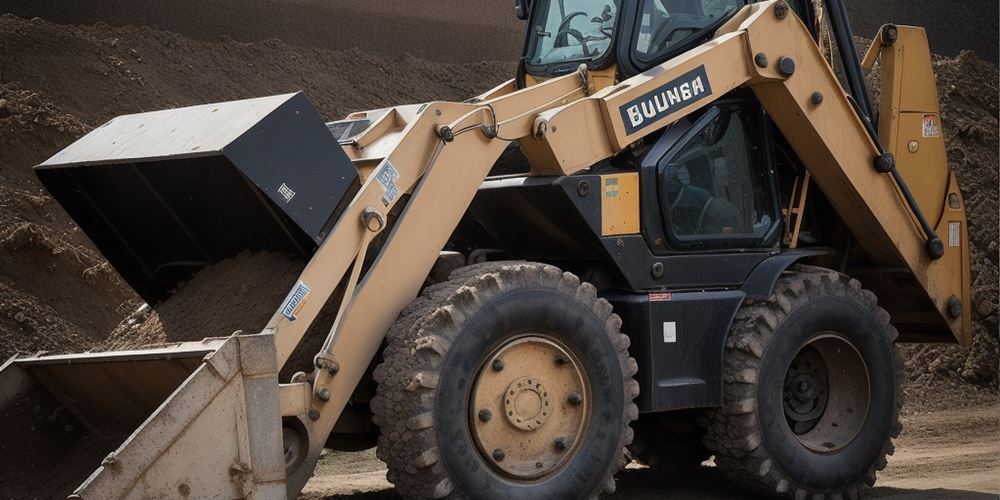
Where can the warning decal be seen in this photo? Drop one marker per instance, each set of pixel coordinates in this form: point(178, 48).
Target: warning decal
point(295, 301)
point(932, 126)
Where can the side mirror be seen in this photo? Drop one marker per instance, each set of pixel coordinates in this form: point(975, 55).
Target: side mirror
point(522, 8)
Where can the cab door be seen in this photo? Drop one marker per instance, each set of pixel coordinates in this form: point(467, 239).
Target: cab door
point(716, 213)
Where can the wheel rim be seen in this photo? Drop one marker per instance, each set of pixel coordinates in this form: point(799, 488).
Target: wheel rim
point(529, 407)
point(826, 394)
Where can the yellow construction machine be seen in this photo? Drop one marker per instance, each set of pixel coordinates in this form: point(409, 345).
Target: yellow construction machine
point(701, 239)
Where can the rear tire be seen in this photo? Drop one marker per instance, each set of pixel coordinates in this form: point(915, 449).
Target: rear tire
point(439, 373)
point(812, 395)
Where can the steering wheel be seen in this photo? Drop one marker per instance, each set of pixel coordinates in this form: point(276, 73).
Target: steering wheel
point(565, 31)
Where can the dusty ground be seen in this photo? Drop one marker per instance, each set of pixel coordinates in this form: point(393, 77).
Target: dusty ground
point(943, 454)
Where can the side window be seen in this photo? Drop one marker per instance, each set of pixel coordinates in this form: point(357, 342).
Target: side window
point(715, 187)
point(664, 25)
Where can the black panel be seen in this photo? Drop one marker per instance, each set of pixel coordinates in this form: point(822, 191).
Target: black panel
point(537, 218)
point(683, 370)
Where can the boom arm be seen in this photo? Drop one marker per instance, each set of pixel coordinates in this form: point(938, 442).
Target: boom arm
point(441, 152)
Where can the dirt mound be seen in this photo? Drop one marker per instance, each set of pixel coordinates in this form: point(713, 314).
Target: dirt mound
point(56, 293)
point(487, 29)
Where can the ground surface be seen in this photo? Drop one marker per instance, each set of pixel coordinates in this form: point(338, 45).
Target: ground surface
point(942, 454)
point(67, 67)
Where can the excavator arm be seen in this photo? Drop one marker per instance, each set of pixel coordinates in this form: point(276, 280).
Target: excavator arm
point(445, 153)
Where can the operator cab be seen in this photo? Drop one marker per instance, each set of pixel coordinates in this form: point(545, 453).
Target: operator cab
point(623, 38)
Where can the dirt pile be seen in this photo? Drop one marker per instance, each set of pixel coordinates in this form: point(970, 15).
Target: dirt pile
point(454, 31)
point(58, 82)
point(56, 292)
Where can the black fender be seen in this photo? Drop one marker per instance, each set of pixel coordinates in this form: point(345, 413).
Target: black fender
point(760, 283)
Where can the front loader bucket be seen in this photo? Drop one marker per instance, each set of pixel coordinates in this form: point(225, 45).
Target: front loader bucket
point(165, 193)
point(191, 420)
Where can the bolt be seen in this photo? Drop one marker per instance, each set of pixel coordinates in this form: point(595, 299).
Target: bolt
point(498, 455)
point(781, 10)
point(786, 66)
point(657, 270)
point(446, 133)
point(760, 60)
point(803, 386)
point(497, 365)
point(324, 394)
point(575, 398)
point(560, 443)
point(485, 415)
point(954, 307)
point(816, 98)
point(560, 359)
point(583, 188)
point(313, 414)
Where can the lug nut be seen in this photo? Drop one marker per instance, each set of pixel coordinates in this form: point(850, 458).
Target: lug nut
point(485, 415)
point(575, 398)
point(803, 386)
point(560, 443)
point(498, 455)
point(497, 365)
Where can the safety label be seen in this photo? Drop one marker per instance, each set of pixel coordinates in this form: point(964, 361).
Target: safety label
point(387, 177)
point(669, 332)
point(286, 192)
point(661, 297)
point(954, 234)
point(932, 128)
point(611, 189)
point(295, 301)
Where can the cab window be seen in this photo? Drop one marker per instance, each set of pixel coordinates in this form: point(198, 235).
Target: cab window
point(716, 186)
point(566, 31)
point(667, 25)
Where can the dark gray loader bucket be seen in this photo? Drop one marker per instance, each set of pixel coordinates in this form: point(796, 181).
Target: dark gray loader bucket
point(165, 193)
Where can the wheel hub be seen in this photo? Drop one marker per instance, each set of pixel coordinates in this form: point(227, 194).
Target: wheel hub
point(541, 392)
point(826, 394)
point(806, 388)
point(526, 404)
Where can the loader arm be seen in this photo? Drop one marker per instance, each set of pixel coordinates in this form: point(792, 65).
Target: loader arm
point(443, 151)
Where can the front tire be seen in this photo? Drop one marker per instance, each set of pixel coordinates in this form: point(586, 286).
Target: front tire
point(812, 395)
point(510, 380)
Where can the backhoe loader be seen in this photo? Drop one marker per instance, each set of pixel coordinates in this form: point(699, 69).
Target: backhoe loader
point(701, 239)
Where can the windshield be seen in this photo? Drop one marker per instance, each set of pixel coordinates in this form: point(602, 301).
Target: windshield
point(567, 31)
point(666, 24)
